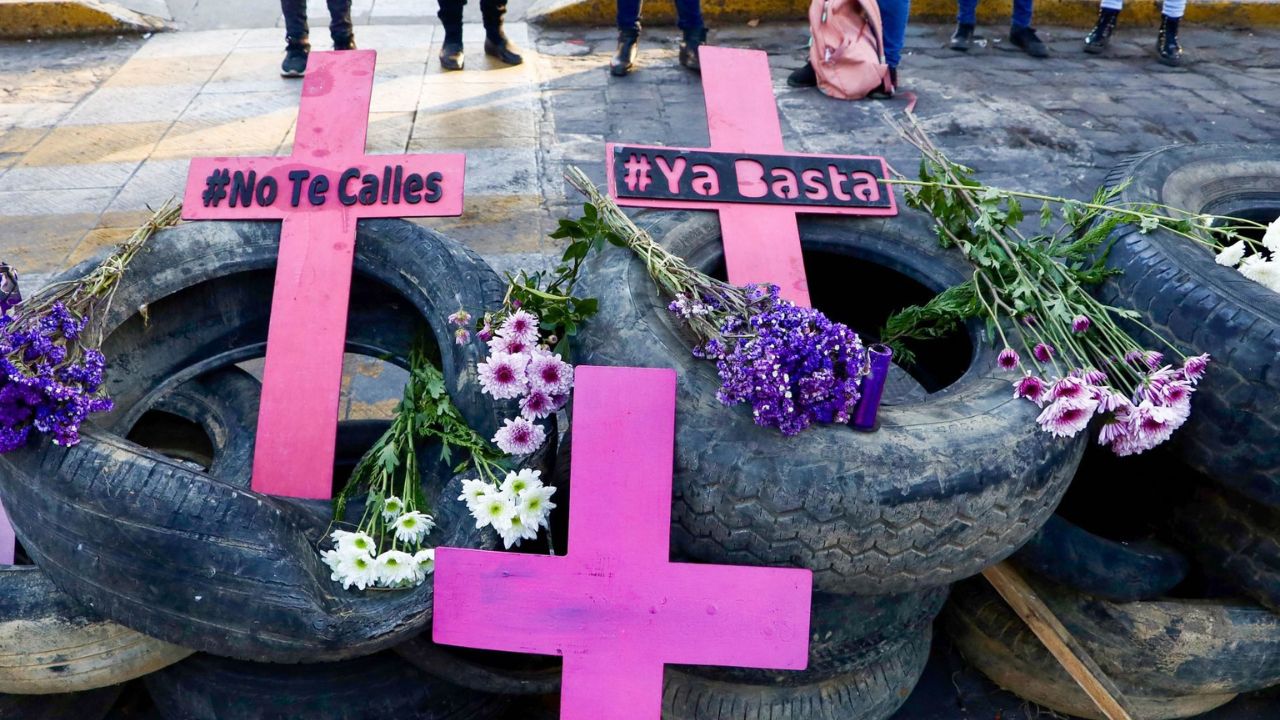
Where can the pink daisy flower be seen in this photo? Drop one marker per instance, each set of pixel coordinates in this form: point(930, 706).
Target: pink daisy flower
point(1080, 323)
point(559, 401)
point(460, 318)
point(1095, 377)
point(1193, 369)
point(485, 333)
point(1008, 359)
point(1113, 431)
point(1153, 359)
point(520, 325)
point(1030, 387)
point(536, 405)
point(503, 375)
point(549, 374)
point(1042, 352)
point(462, 336)
point(1066, 417)
point(519, 436)
point(1071, 388)
point(509, 345)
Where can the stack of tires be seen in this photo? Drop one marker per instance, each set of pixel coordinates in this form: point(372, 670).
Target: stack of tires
point(144, 554)
point(956, 478)
point(1167, 568)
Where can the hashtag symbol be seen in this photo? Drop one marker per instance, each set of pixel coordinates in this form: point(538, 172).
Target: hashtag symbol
point(637, 173)
point(215, 187)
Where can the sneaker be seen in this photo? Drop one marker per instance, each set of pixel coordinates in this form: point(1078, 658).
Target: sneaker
point(1026, 39)
point(295, 61)
point(962, 38)
point(803, 77)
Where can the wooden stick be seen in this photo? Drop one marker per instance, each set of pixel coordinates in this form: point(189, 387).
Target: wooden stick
point(1064, 647)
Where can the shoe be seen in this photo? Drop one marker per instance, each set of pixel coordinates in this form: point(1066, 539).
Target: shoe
point(1167, 42)
point(503, 50)
point(624, 60)
point(1025, 38)
point(888, 88)
point(295, 59)
point(345, 42)
point(803, 77)
point(451, 55)
point(1100, 37)
point(962, 38)
point(689, 44)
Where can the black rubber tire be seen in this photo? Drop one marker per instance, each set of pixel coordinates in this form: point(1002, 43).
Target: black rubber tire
point(87, 705)
point(1158, 652)
point(1236, 541)
point(56, 645)
point(207, 288)
point(381, 686)
point(946, 487)
point(1203, 307)
point(865, 656)
point(1073, 557)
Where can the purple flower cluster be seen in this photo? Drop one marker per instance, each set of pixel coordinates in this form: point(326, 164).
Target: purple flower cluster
point(47, 381)
point(793, 365)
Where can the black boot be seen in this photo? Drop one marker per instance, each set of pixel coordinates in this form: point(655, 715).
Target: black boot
point(803, 77)
point(295, 58)
point(497, 45)
point(344, 42)
point(888, 88)
point(1026, 39)
point(451, 53)
point(625, 58)
point(1167, 42)
point(689, 44)
point(962, 37)
point(1100, 36)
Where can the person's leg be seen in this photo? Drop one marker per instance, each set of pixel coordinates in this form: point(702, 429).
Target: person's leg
point(1167, 41)
point(1021, 14)
point(496, 43)
point(893, 15)
point(340, 28)
point(624, 59)
point(1022, 35)
point(296, 37)
point(689, 19)
point(1100, 36)
point(966, 20)
point(450, 14)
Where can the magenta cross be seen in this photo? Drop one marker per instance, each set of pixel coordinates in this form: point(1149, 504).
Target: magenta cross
point(759, 231)
point(8, 542)
point(615, 606)
point(319, 192)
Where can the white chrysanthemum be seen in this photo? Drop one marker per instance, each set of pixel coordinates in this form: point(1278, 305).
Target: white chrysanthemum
point(516, 532)
point(1271, 239)
point(520, 481)
point(1231, 255)
point(426, 562)
point(391, 508)
point(359, 570)
point(396, 567)
point(473, 492)
point(503, 375)
point(411, 527)
point(496, 509)
point(1263, 272)
point(333, 559)
point(535, 504)
point(354, 542)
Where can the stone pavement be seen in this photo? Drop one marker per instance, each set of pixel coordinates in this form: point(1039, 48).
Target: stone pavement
point(92, 132)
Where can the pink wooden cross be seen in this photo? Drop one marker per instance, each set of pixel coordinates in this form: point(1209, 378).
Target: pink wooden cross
point(615, 607)
point(761, 241)
point(8, 541)
point(320, 191)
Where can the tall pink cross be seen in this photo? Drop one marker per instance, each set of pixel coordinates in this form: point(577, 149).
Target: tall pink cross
point(319, 192)
point(758, 225)
point(615, 607)
point(8, 541)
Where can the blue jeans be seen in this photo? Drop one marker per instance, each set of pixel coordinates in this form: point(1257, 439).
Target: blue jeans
point(295, 19)
point(688, 14)
point(893, 14)
point(968, 13)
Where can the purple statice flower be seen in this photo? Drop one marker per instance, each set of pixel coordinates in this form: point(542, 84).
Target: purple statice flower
point(1080, 323)
point(1043, 352)
point(1008, 359)
point(792, 365)
point(519, 436)
point(686, 305)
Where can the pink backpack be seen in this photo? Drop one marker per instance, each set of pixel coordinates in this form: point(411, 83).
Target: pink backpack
point(847, 52)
